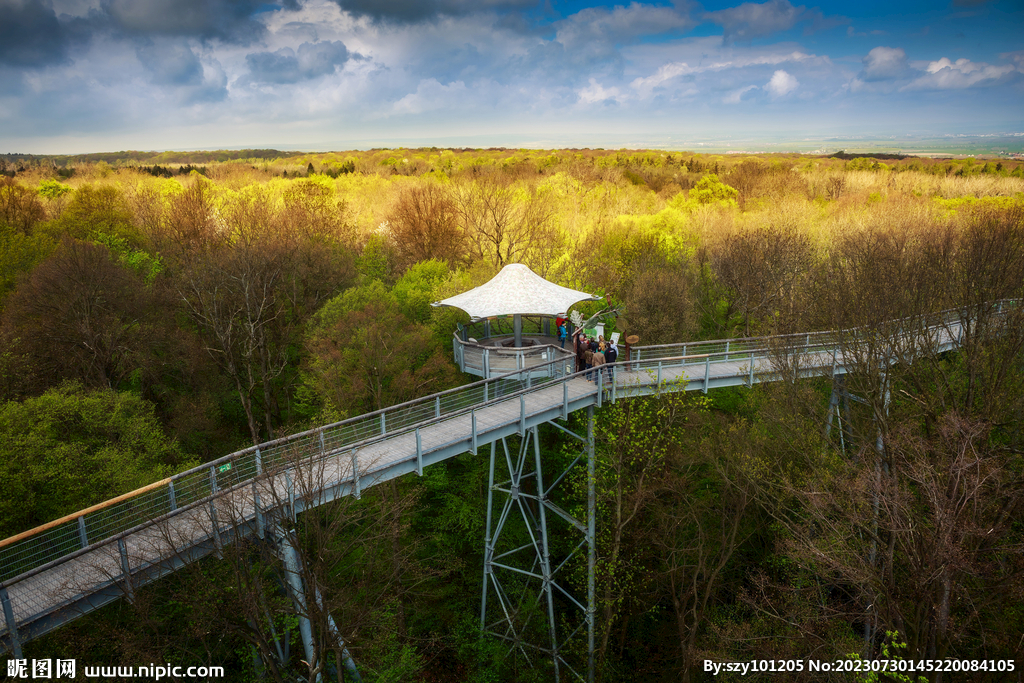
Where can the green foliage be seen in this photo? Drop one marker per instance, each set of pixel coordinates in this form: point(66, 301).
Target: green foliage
point(71, 448)
point(95, 210)
point(19, 254)
point(53, 189)
point(418, 288)
point(365, 354)
point(143, 263)
point(892, 651)
point(374, 262)
point(709, 191)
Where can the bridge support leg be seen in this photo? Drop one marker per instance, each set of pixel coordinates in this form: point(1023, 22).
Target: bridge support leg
point(591, 542)
point(524, 602)
point(294, 578)
point(838, 395)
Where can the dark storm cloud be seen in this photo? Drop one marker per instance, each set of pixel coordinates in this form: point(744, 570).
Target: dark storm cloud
point(412, 11)
point(229, 20)
point(311, 60)
point(171, 64)
point(755, 20)
point(30, 34)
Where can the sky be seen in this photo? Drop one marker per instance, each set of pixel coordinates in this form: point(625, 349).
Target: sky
point(106, 75)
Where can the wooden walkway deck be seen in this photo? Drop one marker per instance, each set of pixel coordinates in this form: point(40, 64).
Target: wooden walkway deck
point(47, 596)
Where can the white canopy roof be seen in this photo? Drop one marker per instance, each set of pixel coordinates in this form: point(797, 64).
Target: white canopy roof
point(516, 290)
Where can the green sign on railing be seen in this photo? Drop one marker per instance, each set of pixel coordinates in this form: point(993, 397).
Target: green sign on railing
point(224, 468)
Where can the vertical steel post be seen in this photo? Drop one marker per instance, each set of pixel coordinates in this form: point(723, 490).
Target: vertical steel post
point(488, 543)
point(126, 570)
point(213, 513)
point(591, 542)
point(545, 559)
point(83, 538)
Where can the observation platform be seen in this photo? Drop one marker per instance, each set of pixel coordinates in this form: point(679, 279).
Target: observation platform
point(487, 348)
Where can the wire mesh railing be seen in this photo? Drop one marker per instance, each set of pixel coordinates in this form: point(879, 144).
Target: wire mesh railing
point(763, 346)
point(25, 554)
point(487, 361)
point(42, 545)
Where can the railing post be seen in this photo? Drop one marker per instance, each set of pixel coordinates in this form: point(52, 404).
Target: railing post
point(82, 536)
point(126, 570)
point(383, 427)
point(472, 426)
point(261, 529)
point(522, 415)
point(487, 363)
point(12, 625)
point(171, 496)
point(419, 453)
point(615, 380)
point(213, 511)
point(565, 400)
point(659, 376)
point(600, 384)
point(259, 457)
point(291, 493)
point(486, 385)
point(751, 369)
point(355, 473)
point(437, 407)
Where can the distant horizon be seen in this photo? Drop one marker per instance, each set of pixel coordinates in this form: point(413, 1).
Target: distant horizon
point(1013, 141)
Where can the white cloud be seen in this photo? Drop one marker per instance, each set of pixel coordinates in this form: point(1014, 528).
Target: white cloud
point(737, 95)
point(782, 83)
point(884, 63)
point(596, 92)
point(963, 73)
point(669, 71)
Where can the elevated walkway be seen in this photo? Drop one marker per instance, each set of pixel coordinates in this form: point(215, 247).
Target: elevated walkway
point(69, 567)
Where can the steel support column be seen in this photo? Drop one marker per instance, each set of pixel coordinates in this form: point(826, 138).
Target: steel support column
point(523, 601)
point(294, 578)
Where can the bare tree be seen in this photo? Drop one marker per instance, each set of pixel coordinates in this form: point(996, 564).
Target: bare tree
point(425, 224)
point(762, 269)
point(506, 223)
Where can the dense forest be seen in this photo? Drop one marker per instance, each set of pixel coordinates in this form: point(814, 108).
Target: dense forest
point(157, 312)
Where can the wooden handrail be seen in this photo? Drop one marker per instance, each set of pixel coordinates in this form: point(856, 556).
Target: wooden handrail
point(81, 513)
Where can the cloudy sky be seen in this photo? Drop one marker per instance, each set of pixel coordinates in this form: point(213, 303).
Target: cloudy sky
point(106, 75)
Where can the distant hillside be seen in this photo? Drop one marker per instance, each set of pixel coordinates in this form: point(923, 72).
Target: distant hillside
point(132, 157)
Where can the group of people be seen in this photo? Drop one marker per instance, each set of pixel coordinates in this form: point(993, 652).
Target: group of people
point(591, 354)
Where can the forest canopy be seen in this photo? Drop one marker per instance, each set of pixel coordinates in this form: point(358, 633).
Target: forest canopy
point(160, 311)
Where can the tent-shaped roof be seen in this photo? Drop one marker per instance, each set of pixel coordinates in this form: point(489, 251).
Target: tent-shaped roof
point(516, 290)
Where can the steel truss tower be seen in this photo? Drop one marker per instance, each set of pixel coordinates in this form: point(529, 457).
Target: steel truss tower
point(534, 610)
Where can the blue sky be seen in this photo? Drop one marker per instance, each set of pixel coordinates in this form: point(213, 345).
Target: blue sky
point(104, 75)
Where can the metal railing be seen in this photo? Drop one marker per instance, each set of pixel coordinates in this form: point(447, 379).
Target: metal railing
point(44, 544)
point(26, 554)
point(485, 361)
